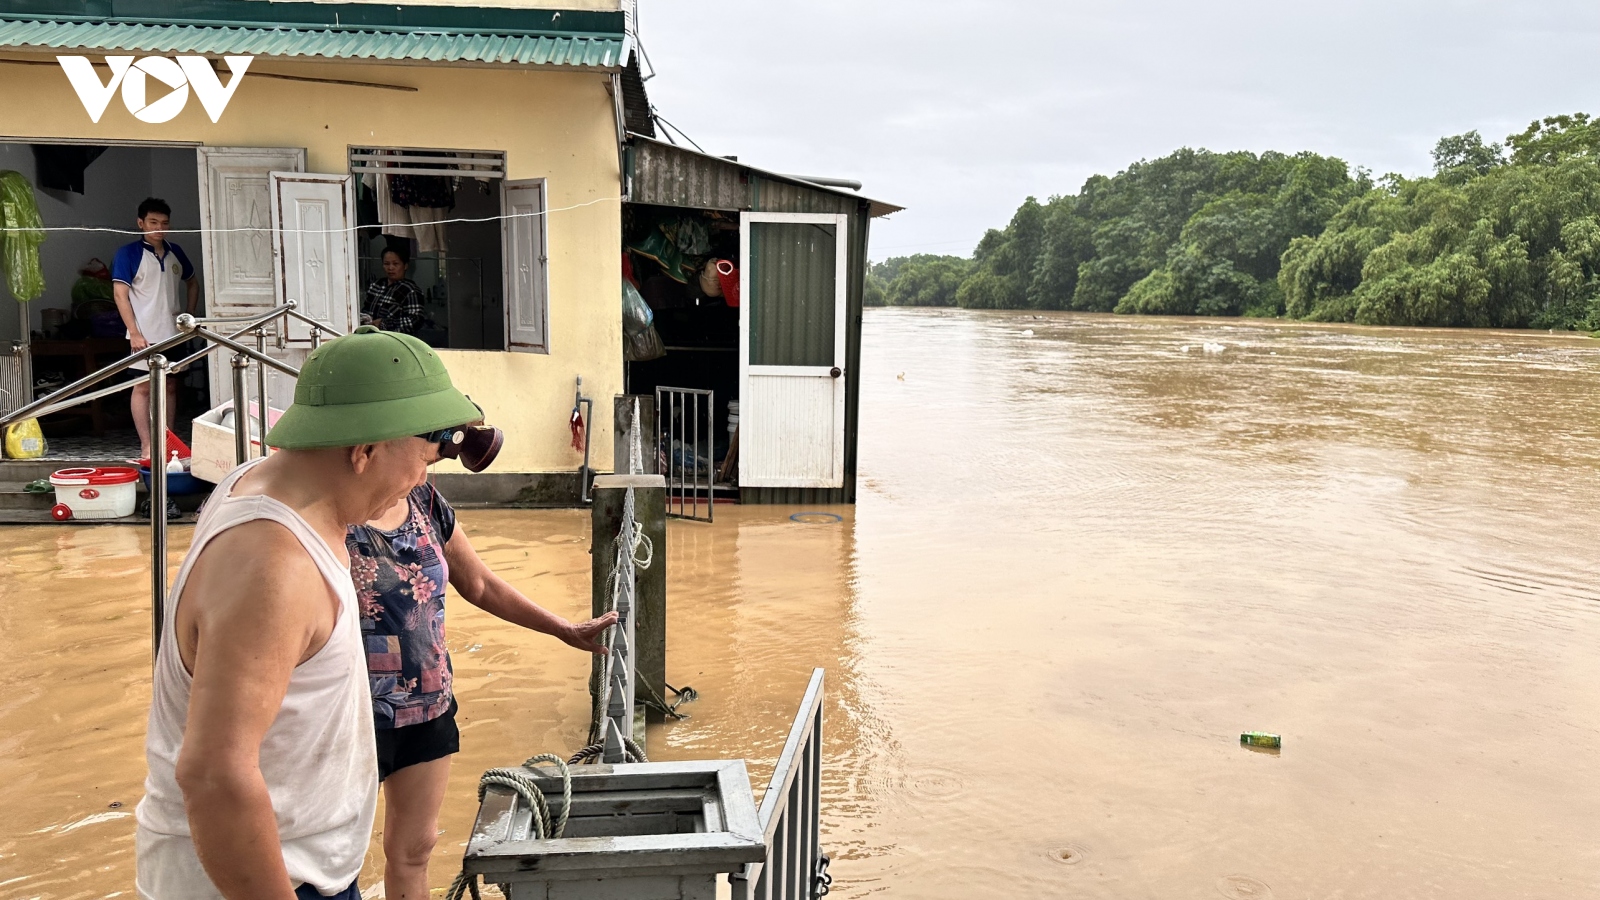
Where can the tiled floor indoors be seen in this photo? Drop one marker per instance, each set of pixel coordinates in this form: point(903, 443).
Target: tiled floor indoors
point(119, 445)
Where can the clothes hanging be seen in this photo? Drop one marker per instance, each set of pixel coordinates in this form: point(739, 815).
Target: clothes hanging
point(19, 213)
point(418, 222)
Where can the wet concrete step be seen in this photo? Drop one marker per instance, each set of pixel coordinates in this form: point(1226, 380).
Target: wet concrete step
point(26, 470)
point(12, 496)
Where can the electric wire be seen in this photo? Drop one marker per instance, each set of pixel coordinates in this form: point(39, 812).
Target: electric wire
point(267, 229)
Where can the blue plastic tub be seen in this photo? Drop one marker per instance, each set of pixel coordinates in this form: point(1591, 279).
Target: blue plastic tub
point(177, 483)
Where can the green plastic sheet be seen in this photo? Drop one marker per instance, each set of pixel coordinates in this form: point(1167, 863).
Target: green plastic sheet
point(22, 235)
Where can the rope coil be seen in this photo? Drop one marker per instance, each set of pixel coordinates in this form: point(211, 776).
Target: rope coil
point(522, 784)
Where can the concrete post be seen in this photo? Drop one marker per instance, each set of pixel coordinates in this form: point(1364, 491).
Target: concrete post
point(650, 625)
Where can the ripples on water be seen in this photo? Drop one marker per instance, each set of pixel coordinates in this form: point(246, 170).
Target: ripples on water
point(1082, 562)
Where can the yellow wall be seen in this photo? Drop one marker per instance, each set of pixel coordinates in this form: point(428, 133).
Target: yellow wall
point(551, 124)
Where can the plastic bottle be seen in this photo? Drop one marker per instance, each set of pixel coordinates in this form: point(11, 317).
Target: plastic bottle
point(175, 465)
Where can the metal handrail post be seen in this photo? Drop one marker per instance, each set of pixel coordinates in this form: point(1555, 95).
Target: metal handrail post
point(315, 325)
point(55, 400)
point(237, 347)
point(94, 378)
point(158, 499)
point(261, 388)
point(241, 421)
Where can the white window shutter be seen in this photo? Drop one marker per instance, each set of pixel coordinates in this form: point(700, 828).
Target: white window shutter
point(525, 278)
point(314, 250)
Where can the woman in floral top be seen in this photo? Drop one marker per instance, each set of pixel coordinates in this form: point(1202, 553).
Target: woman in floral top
point(400, 564)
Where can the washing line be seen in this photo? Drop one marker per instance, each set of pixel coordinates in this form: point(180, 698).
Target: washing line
point(269, 230)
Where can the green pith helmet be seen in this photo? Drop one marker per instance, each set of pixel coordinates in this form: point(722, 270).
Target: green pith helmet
point(367, 387)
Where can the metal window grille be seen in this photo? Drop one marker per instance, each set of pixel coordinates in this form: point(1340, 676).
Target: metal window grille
point(414, 161)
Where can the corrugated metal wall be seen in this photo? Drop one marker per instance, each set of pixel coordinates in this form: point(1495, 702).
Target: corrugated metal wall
point(666, 176)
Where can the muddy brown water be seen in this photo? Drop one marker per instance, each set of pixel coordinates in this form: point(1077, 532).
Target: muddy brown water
point(1084, 559)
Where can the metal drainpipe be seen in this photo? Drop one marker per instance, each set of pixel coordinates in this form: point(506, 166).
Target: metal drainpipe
point(622, 135)
point(158, 501)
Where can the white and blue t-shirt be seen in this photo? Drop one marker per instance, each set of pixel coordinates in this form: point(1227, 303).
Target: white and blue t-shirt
point(155, 285)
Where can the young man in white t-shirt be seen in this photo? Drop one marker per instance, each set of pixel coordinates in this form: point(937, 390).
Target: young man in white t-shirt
point(148, 277)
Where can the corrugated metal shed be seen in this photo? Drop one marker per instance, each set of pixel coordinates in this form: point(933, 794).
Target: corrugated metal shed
point(328, 30)
point(663, 174)
point(669, 175)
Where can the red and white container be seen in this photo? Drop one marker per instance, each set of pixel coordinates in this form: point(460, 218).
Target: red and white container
point(100, 493)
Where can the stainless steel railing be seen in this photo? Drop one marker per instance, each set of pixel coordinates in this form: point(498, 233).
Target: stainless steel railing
point(795, 867)
point(685, 447)
point(154, 359)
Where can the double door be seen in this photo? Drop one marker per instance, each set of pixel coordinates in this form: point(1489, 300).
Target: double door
point(274, 232)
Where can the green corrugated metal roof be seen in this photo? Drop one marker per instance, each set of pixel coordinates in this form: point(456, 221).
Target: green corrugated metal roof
point(336, 31)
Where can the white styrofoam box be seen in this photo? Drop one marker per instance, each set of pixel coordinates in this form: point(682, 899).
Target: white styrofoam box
point(212, 452)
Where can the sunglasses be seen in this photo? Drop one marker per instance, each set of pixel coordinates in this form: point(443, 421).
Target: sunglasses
point(475, 446)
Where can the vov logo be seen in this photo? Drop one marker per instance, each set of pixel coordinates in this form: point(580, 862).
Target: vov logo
point(134, 78)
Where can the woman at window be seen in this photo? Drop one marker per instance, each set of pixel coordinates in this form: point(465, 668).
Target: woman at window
point(394, 303)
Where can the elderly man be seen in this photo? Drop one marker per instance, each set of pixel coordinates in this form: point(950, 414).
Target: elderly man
point(263, 781)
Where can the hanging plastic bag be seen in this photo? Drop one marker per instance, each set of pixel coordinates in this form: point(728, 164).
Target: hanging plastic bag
point(728, 276)
point(644, 346)
point(19, 243)
point(709, 285)
point(636, 314)
point(640, 342)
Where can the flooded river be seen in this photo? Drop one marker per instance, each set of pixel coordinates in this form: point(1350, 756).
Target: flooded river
point(1088, 553)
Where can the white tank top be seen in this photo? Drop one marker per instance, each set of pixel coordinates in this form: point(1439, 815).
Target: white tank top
point(318, 756)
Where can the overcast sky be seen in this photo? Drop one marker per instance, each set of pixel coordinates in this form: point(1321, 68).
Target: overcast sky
point(958, 111)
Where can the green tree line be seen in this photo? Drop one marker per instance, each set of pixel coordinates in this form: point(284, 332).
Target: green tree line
point(1503, 235)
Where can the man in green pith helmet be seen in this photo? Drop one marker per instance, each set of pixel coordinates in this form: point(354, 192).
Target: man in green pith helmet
point(263, 781)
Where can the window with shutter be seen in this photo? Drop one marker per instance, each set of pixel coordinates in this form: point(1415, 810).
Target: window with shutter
point(526, 282)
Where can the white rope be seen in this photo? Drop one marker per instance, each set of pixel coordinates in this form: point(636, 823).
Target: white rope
point(85, 229)
point(636, 452)
point(523, 785)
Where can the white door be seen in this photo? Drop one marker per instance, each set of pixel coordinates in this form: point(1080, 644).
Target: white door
point(314, 251)
point(792, 349)
point(236, 237)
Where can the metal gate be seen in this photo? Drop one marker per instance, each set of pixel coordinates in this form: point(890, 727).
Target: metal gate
point(686, 451)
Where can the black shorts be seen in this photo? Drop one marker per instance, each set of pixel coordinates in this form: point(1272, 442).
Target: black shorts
point(415, 744)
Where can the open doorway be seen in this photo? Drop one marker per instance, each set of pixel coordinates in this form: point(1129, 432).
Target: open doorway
point(670, 255)
point(73, 328)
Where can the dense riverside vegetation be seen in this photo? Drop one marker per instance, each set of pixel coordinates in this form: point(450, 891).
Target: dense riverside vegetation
point(1500, 235)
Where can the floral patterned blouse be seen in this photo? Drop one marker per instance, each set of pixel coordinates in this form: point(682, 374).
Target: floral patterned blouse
point(400, 577)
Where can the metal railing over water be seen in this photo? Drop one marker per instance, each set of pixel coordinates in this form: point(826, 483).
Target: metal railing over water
point(790, 815)
point(685, 444)
point(154, 359)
